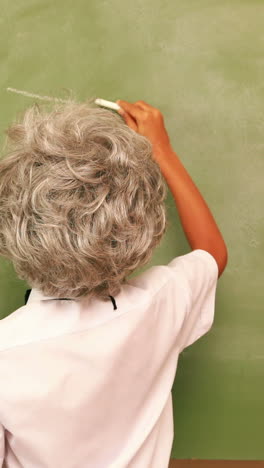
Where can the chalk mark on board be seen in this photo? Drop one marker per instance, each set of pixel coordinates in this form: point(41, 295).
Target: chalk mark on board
point(44, 98)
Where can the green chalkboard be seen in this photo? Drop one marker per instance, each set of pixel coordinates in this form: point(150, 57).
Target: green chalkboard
point(201, 63)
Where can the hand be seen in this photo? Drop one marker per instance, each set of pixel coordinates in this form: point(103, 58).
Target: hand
point(147, 121)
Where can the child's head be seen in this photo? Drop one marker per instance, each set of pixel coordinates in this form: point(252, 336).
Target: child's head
point(81, 200)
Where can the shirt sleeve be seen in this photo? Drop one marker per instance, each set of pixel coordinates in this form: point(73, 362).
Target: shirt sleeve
point(199, 272)
point(2, 445)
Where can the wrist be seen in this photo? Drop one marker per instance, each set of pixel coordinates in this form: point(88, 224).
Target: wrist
point(162, 153)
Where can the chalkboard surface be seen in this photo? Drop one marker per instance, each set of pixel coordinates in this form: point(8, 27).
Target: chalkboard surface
point(201, 63)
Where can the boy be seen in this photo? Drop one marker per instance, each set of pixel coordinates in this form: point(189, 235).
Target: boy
point(84, 385)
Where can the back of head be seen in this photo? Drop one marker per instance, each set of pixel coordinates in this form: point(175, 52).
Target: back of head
point(81, 200)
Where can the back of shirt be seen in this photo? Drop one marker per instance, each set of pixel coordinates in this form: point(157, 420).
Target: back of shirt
point(86, 386)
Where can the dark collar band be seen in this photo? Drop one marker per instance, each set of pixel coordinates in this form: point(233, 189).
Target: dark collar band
point(28, 291)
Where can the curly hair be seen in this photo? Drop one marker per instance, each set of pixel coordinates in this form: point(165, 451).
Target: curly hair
point(81, 200)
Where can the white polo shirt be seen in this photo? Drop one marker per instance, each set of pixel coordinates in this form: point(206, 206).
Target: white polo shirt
point(85, 386)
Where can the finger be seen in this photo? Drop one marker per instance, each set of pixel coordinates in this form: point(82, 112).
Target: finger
point(143, 105)
point(135, 111)
point(129, 120)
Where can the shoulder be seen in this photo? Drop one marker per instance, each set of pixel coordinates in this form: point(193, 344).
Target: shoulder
point(13, 328)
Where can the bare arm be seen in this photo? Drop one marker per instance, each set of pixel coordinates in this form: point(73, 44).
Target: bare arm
point(198, 223)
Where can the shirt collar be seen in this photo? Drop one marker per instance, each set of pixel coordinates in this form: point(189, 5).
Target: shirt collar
point(37, 295)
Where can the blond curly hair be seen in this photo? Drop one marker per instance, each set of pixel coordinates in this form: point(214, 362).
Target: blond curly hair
point(81, 200)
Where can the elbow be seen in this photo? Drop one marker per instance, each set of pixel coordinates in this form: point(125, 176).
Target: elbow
point(222, 259)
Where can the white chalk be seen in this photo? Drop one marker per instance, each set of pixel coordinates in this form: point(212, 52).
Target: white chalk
point(109, 104)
